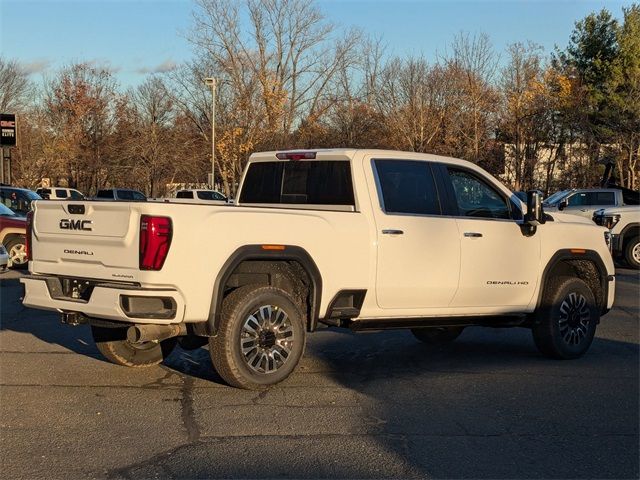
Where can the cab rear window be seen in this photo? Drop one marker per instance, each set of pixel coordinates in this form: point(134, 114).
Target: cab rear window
point(299, 182)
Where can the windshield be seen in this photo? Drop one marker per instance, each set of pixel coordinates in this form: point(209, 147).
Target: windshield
point(6, 211)
point(556, 197)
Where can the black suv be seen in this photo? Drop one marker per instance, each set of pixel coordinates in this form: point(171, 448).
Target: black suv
point(121, 195)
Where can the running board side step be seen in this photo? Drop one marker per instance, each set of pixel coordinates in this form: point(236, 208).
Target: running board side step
point(434, 322)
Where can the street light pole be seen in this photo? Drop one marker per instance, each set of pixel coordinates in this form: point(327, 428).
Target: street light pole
point(212, 83)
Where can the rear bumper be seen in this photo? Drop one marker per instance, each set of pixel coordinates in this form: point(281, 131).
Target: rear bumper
point(107, 301)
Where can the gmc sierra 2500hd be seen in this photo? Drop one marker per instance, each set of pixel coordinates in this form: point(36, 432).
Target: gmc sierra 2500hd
point(365, 239)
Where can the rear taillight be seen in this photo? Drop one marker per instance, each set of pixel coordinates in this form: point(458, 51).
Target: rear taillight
point(155, 240)
point(28, 243)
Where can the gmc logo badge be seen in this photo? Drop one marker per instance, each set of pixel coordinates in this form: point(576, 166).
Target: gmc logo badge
point(67, 224)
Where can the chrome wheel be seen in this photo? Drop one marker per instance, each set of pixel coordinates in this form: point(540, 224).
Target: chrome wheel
point(266, 339)
point(635, 252)
point(18, 254)
point(574, 318)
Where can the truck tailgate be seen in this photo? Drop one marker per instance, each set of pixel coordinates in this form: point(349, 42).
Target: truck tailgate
point(85, 239)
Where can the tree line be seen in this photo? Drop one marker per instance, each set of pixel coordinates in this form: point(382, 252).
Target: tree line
point(289, 78)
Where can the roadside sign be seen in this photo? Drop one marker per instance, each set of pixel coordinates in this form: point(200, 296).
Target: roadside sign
point(8, 130)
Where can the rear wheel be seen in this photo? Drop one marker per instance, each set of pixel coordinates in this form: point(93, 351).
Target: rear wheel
point(261, 337)
point(632, 252)
point(567, 319)
point(114, 346)
point(17, 250)
point(437, 335)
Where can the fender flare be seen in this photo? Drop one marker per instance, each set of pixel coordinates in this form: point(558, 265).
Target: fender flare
point(11, 231)
point(257, 252)
point(589, 255)
point(627, 231)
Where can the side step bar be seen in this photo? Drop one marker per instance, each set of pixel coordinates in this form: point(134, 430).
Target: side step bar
point(434, 322)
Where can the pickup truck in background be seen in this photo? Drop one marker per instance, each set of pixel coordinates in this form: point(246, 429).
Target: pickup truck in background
point(586, 201)
point(624, 225)
point(364, 239)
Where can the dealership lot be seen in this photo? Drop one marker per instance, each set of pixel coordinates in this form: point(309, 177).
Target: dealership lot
point(360, 406)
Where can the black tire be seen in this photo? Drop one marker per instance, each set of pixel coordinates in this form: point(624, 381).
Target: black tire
point(437, 335)
point(269, 335)
point(632, 252)
point(114, 346)
point(566, 320)
point(16, 248)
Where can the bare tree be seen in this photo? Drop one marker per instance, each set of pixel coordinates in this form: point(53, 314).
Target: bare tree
point(521, 122)
point(79, 105)
point(15, 86)
point(473, 63)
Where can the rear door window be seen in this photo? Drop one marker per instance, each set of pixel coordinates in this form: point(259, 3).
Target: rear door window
point(105, 194)
point(208, 195)
point(602, 198)
point(60, 193)
point(299, 182)
point(125, 195)
point(184, 195)
point(407, 186)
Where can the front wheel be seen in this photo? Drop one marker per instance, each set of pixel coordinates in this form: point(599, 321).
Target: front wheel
point(632, 252)
point(114, 346)
point(567, 319)
point(261, 337)
point(17, 250)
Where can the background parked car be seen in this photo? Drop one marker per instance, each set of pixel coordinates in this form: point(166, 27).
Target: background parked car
point(197, 194)
point(121, 195)
point(586, 201)
point(13, 230)
point(60, 193)
point(4, 258)
point(18, 199)
point(556, 197)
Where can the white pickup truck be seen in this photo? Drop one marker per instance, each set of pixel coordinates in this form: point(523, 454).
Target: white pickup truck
point(624, 225)
point(365, 239)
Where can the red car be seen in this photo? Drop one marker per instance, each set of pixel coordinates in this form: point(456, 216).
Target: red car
point(13, 230)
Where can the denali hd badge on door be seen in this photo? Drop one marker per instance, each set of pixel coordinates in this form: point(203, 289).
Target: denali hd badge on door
point(67, 224)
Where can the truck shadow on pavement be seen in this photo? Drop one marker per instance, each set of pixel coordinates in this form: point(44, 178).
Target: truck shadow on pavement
point(383, 405)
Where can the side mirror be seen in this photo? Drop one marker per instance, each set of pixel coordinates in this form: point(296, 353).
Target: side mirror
point(535, 213)
point(562, 204)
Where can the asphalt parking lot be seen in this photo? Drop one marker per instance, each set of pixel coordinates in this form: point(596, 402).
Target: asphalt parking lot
point(365, 405)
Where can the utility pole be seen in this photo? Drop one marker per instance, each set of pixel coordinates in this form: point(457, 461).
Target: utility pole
point(212, 83)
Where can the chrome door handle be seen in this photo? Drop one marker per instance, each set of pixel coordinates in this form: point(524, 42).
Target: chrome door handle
point(392, 232)
point(472, 234)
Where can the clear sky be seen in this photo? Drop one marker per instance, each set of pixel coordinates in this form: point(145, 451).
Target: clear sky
point(141, 36)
